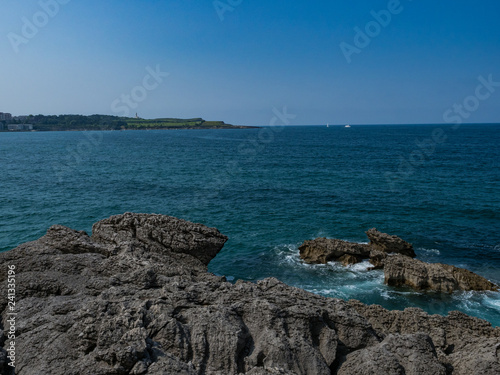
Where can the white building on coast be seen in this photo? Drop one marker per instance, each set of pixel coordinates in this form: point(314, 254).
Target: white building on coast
point(5, 116)
point(19, 127)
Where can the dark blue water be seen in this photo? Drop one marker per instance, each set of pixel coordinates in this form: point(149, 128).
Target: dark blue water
point(270, 189)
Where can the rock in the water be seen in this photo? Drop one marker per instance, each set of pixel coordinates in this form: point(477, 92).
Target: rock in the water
point(348, 259)
point(402, 270)
point(136, 298)
point(377, 258)
point(323, 250)
point(395, 256)
point(389, 243)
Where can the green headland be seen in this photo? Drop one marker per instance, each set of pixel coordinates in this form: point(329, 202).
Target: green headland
point(106, 122)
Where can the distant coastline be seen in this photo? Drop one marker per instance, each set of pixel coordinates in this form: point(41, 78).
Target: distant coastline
point(106, 122)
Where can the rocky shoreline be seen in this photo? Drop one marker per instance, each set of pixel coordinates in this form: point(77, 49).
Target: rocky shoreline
point(396, 257)
point(136, 298)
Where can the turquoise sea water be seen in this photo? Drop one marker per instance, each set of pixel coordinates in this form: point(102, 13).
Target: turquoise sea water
point(270, 189)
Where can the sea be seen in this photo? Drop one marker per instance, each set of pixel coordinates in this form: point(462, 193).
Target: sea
point(271, 188)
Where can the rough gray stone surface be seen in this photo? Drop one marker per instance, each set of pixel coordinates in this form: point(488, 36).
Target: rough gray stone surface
point(402, 270)
point(323, 250)
point(395, 256)
point(389, 243)
point(136, 298)
point(398, 355)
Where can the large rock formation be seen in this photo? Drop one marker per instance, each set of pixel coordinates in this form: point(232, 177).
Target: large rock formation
point(402, 270)
point(395, 256)
point(389, 243)
point(395, 355)
point(136, 298)
point(323, 250)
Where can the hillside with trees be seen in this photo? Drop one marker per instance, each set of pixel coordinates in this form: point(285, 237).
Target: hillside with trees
point(106, 122)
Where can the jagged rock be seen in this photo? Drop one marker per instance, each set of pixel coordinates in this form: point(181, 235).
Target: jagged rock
point(389, 244)
point(162, 234)
point(136, 298)
point(468, 280)
point(377, 258)
point(323, 250)
point(413, 354)
point(464, 345)
point(72, 241)
point(401, 270)
point(348, 259)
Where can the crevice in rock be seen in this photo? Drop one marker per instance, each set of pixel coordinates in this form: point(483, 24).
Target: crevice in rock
point(260, 359)
point(246, 345)
point(206, 354)
point(449, 349)
point(177, 314)
point(90, 348)
point(335, 366)
point(340, 358)
point(449, 368)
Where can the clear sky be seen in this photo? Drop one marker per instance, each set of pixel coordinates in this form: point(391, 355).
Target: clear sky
point(236, 60)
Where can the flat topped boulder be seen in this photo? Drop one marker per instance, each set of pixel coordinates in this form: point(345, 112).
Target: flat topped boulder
point(160, 233)
point(401, 270)
point(389, 243)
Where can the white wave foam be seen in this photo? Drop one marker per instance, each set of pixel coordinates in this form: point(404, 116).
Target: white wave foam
point(385, 294)
point(360, 267)
point(492, 301)
point(468, 300)
point(289, 253)
point(429, 251)
point(333, 293)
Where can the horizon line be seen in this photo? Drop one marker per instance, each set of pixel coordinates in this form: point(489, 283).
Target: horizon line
point(290, 125)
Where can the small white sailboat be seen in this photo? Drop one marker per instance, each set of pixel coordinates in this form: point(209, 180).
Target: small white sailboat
point(347, 126)
point(328, 125)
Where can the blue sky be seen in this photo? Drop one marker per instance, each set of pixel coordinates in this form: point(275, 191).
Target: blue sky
point(252, 56)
